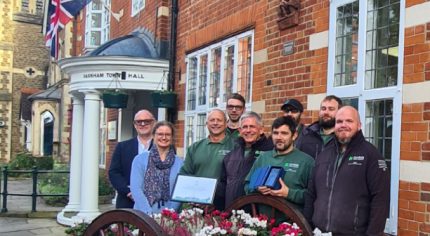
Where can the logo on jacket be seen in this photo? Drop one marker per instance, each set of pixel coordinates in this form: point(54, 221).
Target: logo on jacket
point(291, 167)
point(355, 160)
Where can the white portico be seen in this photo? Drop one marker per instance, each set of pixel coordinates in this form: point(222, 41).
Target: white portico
point(89, 77)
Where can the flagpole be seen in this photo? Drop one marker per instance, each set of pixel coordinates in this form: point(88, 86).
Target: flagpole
point(45, 16)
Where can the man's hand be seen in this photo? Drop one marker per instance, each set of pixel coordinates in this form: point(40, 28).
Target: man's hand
point(264, 190)
point(282, 192)
point(130, 196)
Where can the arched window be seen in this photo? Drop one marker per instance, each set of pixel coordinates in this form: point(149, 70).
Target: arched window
point(47, 133)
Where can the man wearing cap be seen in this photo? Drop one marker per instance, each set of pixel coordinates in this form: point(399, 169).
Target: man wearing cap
point(318, 135)
point(123, 156)
point(294, 109)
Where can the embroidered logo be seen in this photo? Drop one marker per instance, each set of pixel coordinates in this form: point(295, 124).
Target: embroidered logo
point(356, 158)
point(291, 167)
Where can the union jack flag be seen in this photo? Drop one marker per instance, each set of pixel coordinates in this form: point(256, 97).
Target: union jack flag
point(60, 12)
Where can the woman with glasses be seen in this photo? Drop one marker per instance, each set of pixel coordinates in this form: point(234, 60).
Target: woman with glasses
point(153, 172)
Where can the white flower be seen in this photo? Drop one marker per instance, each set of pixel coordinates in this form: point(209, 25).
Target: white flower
point(246, 231)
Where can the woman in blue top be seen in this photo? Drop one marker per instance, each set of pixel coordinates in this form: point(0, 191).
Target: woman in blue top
point(153, 172)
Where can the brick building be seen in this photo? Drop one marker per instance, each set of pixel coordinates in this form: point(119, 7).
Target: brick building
point(375, 55)
point(23, 66)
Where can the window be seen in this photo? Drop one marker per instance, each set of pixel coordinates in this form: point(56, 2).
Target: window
point(97, 23)
point(103, 137)
point(365, 70)
point(39, 7)
point(137, 6)
point(213, 73)
point(24, 6)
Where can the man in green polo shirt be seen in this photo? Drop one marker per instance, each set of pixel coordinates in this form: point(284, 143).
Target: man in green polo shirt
point(298, 165)
point(204, 158)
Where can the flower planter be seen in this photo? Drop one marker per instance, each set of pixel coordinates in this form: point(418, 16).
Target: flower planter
point(163, 99)
point(115, 100)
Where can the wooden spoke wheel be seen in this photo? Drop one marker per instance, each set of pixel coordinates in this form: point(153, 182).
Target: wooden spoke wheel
point(276, 204)
point(123, 217)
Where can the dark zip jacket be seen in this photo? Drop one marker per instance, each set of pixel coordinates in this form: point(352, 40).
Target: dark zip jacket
point(310, 141)
point(236, 167)
point(353, 198)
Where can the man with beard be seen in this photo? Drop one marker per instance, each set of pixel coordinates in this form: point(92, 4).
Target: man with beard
point(294, 109)
point(349, 192)
point(319, 135)
point(235, 109)
point(123, 156)
point(204, 158)
point(238, 162)
point(298, 165)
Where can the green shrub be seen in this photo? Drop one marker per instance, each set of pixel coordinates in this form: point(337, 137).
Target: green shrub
point(105, 188)
point(44, 163)
point(77, 230)
point(25, 161)
point(58, 183)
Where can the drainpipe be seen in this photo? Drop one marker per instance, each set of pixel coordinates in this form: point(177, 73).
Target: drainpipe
point(172, 49)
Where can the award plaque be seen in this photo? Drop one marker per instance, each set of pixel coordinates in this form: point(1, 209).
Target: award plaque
point(194, 189)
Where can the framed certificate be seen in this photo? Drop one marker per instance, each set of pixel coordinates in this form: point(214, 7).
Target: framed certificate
point(194, 189)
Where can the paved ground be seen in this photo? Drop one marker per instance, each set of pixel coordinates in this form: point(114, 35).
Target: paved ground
point(19, 221)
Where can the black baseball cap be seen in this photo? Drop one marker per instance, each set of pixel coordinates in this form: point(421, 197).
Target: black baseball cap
point(294, 103)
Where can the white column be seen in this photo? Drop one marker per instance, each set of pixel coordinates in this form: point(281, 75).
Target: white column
point(76, 155)
point(75, 163)
point(90, 157)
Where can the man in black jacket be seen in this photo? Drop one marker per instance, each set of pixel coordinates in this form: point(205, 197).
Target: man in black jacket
point(123, 156)
point(349, 192)
point(315, 137)
point(239, 161)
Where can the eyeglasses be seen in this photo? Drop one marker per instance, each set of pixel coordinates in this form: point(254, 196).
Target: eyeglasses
point(233, 107)
point(143, 122)
point(161, 135)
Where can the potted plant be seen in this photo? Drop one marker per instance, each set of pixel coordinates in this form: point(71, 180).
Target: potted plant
point(115, 99)
point(163, 98)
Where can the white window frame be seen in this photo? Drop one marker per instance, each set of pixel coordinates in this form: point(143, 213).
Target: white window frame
point(105, 24)
point(222, 104)
point(135, 10)
point(358, 91)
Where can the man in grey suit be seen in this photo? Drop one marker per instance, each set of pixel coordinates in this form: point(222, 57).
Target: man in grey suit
point(123, 156)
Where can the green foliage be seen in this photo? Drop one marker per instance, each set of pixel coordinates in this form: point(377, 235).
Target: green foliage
point(54, 183)
point(22, 161)
point(77, 230)
point(105, 187)
point(44, 163)
point(58, 183)
point(25, 161)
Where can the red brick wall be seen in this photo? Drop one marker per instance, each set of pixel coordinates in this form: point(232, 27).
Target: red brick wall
point(297, 75)
point(414, 197)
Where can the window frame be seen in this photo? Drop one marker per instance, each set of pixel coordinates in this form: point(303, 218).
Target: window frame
point(104, 26)
point(135, 11)
point(359, 91)
point(205, 108)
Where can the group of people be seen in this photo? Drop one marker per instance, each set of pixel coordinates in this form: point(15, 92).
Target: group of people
point(338, 179)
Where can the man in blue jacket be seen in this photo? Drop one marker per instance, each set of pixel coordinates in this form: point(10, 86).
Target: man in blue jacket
point(349, 192)
point(123, 156)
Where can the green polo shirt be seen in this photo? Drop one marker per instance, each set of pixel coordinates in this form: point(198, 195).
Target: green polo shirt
point(204, 158)
point(298, 167)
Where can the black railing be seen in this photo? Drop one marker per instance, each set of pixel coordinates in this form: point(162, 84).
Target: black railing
point(34, 175)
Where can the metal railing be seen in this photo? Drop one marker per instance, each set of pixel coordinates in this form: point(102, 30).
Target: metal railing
point(34, 176)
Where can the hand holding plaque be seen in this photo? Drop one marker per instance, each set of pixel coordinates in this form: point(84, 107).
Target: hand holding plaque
point(267, 176)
